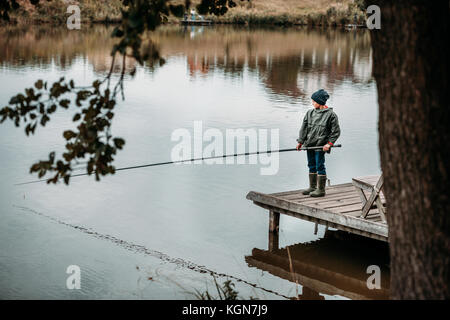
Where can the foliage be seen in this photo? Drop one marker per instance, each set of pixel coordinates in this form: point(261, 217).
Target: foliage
point(93, 144)
point(93, 138)
point(225, 292)
point(216, 7)
point(6, 6)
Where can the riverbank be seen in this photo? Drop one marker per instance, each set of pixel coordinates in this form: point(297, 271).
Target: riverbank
point(55, 11)
point(262, 12)
point(292, 12)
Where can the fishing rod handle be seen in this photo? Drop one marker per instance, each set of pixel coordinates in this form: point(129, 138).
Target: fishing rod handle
point(320, 147)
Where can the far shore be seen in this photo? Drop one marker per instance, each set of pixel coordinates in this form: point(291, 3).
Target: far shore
point(321, 13)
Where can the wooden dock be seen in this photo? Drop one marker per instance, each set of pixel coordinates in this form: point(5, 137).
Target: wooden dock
point(341, 208)
point(333, 265)
point(196, 22)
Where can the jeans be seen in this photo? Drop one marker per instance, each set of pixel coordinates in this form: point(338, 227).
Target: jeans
point(316, 162)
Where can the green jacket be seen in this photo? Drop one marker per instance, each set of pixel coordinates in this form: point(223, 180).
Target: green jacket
point(319, 127)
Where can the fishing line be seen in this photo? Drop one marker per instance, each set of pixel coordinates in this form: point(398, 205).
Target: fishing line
point(135, 248)
point(190, 160)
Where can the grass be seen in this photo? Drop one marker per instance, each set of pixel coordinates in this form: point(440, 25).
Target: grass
point(54, 11)
point(253, 12)
point(224, 292)
point(293, 12)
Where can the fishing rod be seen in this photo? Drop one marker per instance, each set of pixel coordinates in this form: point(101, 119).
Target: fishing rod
point(223, 156)
point(198, 159)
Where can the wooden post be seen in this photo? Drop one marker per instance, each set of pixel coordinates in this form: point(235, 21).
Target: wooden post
point(274, 224)
point(273, 241)
point(274, 221)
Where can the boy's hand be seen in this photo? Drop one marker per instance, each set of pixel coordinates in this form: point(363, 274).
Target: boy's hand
point(326, 147)
point(299, 146)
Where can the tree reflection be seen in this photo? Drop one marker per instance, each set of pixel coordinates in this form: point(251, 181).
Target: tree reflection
point(289, 62)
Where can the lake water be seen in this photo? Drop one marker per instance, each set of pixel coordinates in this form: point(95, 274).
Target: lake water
point(164, 232)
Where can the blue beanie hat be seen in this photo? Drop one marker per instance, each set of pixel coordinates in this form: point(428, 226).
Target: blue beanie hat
point(320, 97)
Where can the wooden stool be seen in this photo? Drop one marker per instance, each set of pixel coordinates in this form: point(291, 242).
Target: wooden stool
point(372, 184)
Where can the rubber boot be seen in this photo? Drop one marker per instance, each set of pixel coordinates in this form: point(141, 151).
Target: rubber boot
point(320, 191)
point(312, 183)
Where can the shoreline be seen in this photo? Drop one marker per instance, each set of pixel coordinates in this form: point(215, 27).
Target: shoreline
point(92, 12)
point(213, 23)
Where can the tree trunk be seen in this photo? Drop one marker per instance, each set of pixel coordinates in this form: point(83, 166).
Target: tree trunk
point(410, 56)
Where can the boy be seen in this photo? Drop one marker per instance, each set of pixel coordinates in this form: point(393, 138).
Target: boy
point(320, 127)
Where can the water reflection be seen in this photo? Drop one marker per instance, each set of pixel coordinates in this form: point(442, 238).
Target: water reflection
point(42, 47)
point(289, 62)
point(227, 77)
point(333, 265)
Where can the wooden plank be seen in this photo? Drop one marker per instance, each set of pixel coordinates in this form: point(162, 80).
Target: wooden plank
point(273, 241)
point(328, 192)
point(348, 208)
point(274, 221)
point(344, 203)
point(329, 198)
point(374, 218)
point(353, 213)
point(369, 192)
point(362, 196)
point(327, 224)
point(380, 195)
point(309, 199)
point(330, 203)
point(334, 204)
point(300, 210)
point(368, 181)
point(286, 193)
point(372, 180)
point(357, 213)
point(381, 209)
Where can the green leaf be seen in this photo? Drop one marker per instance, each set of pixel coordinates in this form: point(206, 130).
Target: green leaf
point(76, 117)
point(41, 173)
point(35, 167)
point(66, 179)
point(69, 134)
point(17, 99)
point(64, 103)
point(44, 120)
point(51, 156)
point(39, 84)
point(52, 108)
point(119, 142)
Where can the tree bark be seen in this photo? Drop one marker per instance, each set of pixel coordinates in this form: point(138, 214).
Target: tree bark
point(410, 58)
